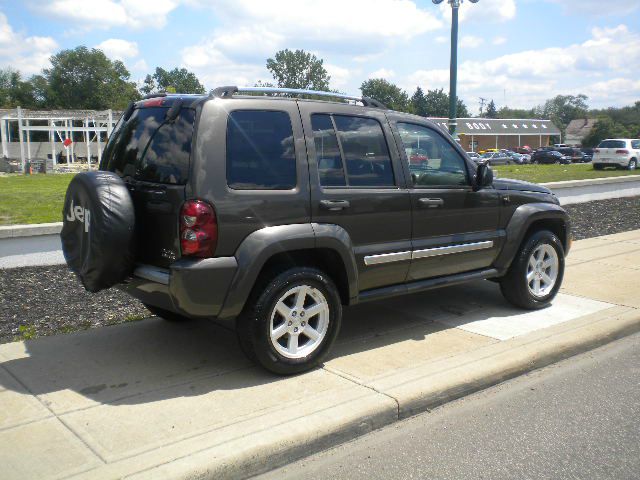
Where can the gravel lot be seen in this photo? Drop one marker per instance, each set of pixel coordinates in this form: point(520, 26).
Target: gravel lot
point(47, 300)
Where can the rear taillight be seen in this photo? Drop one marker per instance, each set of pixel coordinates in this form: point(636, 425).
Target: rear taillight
point(622, 152)
point(198, 229)
point(597, 150)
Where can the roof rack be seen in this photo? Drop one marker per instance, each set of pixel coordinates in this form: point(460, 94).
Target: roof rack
point(225, 92)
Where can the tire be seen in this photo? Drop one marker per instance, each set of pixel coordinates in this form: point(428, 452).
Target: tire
point(255, 325)
point(98, 229)
point(166, 314)
point(597, 166)
point(633, 164)
point(514, 285)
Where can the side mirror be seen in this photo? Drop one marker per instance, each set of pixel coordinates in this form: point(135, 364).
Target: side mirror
point(484, 177)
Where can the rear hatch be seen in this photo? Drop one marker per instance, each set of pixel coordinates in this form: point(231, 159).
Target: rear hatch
point(150, 148)
point(606, 151)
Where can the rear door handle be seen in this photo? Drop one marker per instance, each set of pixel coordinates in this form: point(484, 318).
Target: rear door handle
point(334, 205)
point(431, 202)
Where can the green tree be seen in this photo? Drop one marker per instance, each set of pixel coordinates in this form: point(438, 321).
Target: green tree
point(419, 103)
point(506, 112)
point(438, 104)
point(606, 127)
point(386, 92)
point(492, 111)
point(14, 91)
point(84, 78)
point(178, 80)
point(298, 69)
point(561, 109)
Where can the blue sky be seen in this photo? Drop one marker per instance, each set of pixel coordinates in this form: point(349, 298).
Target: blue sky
point(517, 52)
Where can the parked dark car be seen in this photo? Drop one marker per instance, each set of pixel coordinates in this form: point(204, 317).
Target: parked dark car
point(275, 212)
point(549, 156)
point(517, 158)
point(588, 154)
point(576, 155)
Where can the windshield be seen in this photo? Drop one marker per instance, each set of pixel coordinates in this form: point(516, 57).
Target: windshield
point(612, 144)
point(147, 147)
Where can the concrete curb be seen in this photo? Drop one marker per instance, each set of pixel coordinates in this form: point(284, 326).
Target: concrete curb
point(591, 181)
point(16, 231)
point(496, 363)
point(422, 389)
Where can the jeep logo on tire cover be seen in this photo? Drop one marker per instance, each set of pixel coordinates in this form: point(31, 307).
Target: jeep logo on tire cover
point(80, 214)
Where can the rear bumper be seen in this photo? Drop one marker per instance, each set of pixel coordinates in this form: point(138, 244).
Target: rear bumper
point(195, 288)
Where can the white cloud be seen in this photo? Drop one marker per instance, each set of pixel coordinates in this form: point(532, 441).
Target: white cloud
point(118, 49)
point(105, 14)
point(442, 39)
point(470, 41)
point(140, 66)
point(484, 11)
point(383, 73)
point(499, 40)
point(339, 76)
point(29, 55)
point(602, 67)
point(253, 31)
point(598, 7)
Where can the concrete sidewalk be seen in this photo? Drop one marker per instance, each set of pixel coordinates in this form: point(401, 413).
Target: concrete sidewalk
point(154, 399)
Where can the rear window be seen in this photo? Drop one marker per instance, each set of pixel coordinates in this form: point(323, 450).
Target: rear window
point(612, 144)
point(260, 151)
point(149, 148)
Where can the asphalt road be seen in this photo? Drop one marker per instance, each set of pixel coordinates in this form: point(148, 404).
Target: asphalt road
point(579, 419)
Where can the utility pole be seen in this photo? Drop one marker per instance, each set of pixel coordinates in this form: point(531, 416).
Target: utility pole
point(482, 102)
point(453, 70)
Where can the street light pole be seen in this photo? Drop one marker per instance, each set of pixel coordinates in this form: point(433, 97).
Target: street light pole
point(453, 70)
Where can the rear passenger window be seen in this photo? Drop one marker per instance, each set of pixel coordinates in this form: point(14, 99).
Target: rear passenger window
point(365, 151)
point(361, 141)
point(260, 151)
point(328, 155)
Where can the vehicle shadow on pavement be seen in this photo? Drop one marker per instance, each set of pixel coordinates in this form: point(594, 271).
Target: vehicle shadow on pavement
point(153, 360)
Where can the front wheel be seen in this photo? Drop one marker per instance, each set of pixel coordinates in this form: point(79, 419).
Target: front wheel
point(597, 166)
point(535, 275)
point(291, 321)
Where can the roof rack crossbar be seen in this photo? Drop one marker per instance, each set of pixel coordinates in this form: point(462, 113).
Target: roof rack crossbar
point(222, 92)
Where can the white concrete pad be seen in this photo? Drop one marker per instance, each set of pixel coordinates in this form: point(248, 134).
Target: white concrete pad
point(503, 322)
point(30, 251)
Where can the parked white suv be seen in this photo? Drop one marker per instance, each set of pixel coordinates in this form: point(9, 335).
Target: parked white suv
point(617, 152)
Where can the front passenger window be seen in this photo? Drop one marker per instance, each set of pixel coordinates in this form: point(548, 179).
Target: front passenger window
point(432, 160)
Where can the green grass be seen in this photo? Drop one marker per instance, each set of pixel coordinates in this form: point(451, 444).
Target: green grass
point(32, 198)
point(556, 173)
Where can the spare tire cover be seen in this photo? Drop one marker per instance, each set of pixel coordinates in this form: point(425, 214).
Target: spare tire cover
point(98, 229)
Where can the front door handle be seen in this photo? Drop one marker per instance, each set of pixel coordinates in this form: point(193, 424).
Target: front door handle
point(334, 205)
point(431, 202)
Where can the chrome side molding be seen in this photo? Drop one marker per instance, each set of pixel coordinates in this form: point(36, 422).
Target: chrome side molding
point(426, 253)
point(465, 247)
point(387, 258)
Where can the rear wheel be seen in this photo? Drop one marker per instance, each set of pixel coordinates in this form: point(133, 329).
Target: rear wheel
point(597, 166)
point(291, 321)
point(633, 164)
point(535, 275)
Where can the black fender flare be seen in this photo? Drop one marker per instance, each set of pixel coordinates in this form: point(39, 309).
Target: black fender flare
point(523, 217)
point(258, 247)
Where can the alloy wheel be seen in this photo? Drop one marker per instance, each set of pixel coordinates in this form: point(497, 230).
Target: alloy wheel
point(299, 321)
point(542, 270)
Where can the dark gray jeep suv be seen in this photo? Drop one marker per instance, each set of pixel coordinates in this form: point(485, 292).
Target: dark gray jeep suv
point(276, 211)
